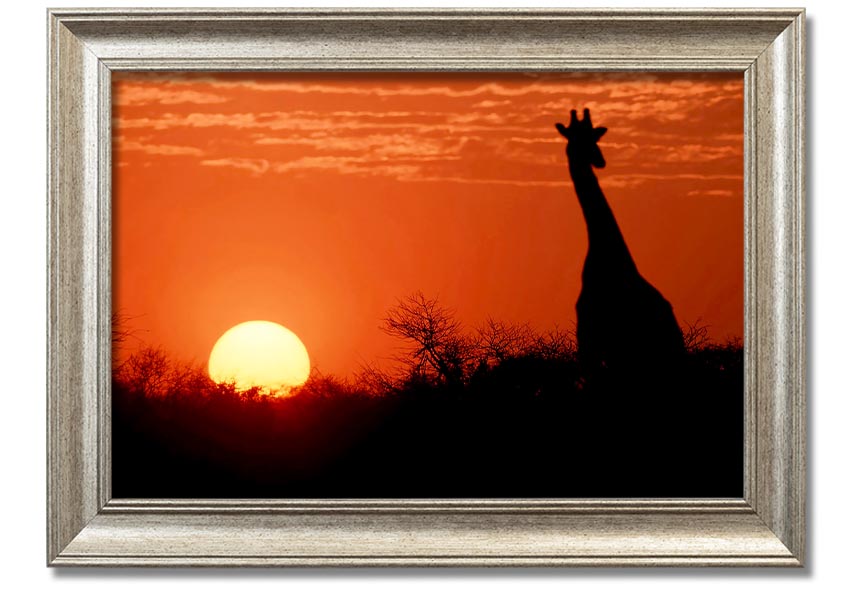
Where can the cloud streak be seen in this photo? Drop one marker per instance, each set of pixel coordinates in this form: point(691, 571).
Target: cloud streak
point(252, 165)
point(498, 133)
point(157, 149)
point(632, 88)
point(141, 95)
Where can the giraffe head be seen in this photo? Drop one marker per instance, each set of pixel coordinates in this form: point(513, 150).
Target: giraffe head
point(582, 141)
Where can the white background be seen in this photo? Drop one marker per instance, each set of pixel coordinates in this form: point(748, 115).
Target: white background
point(22, 352)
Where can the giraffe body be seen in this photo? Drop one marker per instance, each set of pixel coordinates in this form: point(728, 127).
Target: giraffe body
point(625, 325)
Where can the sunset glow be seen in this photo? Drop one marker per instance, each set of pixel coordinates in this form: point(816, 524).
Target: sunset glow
point(317, 200)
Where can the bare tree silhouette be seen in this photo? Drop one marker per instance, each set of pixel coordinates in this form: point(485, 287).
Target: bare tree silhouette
point(146, 372)
point(695, 336)
point(437, 348)
point(498, 340)
point(555, 344)
point(122, 332)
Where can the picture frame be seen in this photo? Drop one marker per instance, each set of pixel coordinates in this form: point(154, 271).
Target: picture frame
point(87, 527)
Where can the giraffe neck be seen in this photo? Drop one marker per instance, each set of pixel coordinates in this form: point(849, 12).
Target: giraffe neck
point(606, 244)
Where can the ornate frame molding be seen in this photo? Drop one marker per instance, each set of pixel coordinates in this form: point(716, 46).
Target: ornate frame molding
point(86, 527)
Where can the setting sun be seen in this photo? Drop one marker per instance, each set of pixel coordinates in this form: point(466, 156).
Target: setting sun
point(260, 354)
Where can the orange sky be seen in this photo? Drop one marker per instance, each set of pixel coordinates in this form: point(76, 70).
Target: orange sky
point(317, 200)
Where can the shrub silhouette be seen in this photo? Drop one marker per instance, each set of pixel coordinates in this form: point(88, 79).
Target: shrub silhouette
point(497, 410)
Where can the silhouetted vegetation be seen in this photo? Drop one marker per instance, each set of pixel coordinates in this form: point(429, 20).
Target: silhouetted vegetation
point(501, 410)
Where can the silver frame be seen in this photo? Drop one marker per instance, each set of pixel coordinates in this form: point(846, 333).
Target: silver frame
point(87, 527)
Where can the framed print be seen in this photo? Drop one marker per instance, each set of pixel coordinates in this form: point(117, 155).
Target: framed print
point(426, 287)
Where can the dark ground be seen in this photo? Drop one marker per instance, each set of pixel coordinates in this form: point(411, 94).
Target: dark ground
point(528, 425)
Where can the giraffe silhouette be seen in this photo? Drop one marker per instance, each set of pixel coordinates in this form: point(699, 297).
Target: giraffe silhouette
point(625, 326)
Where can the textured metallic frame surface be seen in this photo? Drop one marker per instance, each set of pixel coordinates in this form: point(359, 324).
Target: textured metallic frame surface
point(86, 527)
